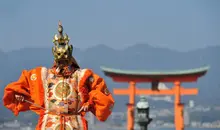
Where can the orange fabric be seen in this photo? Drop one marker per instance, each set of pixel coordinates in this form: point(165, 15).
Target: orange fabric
point(83, 90)
point(101, 102)
point(32, 88)
point(20, 87)
point(85, 123)
point(24, 86)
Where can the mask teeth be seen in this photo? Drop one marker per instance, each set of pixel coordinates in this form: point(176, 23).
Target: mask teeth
point(58, 70)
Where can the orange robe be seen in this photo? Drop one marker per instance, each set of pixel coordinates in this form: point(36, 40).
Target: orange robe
point(33, 85)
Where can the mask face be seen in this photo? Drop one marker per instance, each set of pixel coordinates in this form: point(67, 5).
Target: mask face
point(62, 54)
point(62, 51)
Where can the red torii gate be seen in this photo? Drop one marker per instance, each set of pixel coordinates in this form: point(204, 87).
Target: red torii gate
point(154, 78)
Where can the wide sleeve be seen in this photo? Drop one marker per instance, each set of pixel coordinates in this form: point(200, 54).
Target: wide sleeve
point(18, 87)
point(100, 99)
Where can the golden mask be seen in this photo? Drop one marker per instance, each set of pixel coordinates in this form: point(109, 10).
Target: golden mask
point(62, 51)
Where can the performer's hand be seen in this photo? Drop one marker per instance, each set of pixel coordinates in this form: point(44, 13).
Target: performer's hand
point(19, 98)
point(83, 108)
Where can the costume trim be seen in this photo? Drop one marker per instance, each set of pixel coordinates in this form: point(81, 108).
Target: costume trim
point(44, 82)
point(83, 90)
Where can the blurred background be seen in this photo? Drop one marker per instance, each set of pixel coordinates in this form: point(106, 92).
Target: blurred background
point(123, 34)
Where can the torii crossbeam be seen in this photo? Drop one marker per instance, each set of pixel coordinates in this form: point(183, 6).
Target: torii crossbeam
point(154, 78)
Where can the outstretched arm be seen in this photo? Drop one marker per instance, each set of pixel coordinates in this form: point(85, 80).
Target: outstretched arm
point(20, 87)
point(100, 101)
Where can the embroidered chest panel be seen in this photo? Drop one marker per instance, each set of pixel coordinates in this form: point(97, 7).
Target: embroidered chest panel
point(62, 93)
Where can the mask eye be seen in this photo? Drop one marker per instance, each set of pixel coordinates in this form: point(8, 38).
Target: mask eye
point(58, 54)
point(65, 53)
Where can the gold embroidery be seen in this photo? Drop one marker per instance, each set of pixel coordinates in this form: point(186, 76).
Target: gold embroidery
point(59, 89)
point(62, 89)
point(67, 127)
point(33, 77)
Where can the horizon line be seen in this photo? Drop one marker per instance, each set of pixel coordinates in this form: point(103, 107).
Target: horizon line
point(119, 49)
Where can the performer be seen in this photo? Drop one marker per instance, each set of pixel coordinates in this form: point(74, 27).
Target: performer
point(60, 95)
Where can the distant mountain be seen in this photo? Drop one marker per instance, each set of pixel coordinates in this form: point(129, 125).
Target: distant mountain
point(139, 56)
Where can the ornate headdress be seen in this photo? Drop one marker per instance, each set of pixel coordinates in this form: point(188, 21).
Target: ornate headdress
point(62, 51)
point(60, 38)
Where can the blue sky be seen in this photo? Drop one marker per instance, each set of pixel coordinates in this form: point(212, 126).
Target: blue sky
point(176, 24)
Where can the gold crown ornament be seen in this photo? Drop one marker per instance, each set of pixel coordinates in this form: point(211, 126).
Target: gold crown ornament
point(60, 38)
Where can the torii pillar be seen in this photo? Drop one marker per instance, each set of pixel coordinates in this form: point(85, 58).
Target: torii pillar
point(154, 78)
